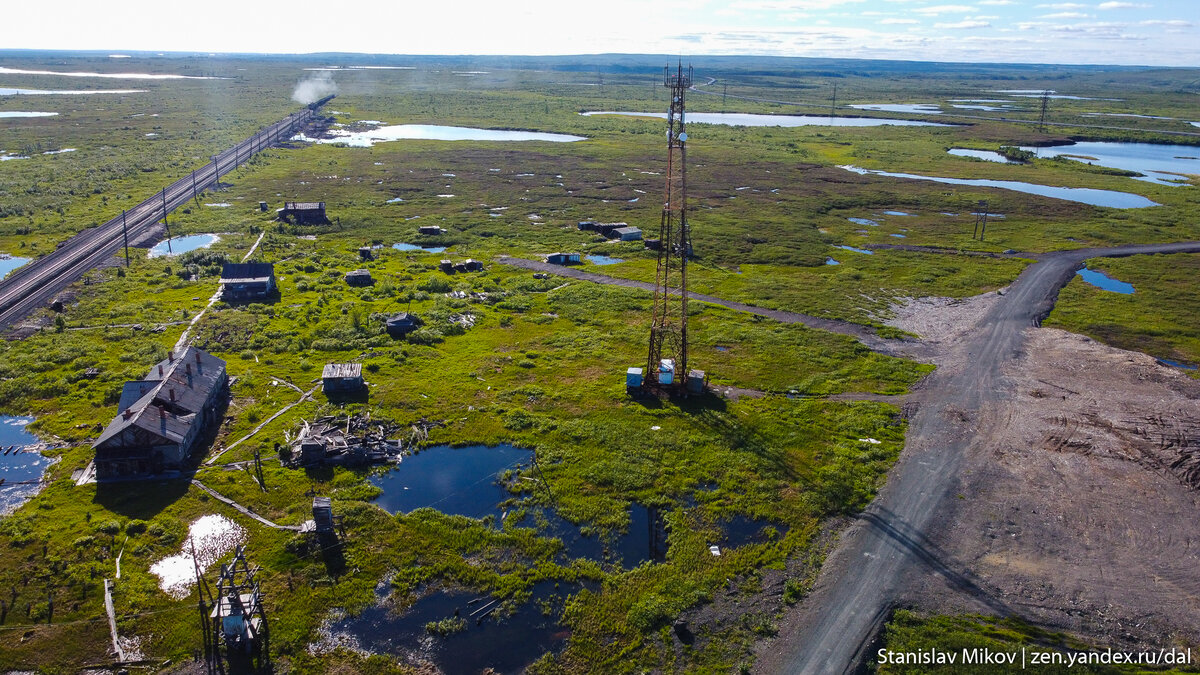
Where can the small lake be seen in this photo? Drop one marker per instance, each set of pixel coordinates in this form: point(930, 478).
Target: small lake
point(1147, 158)
point(21, 466)
point(985, 155)
point(916, 108)
point(413, 247)
point(1101, 280)
point(177, 245)
point(18, 113)
point(856, 250)
point(753, 120)
point(10, 263)
point(9, 91)
point(603, 260)
point(500, 643)
point(458, 481)
point(1109, 198)
point(436, 132)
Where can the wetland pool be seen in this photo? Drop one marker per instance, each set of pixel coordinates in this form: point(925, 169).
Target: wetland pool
point(180, 245)
point(434, 132)
point(10, 263)
point(21, 465)
point(754, 120)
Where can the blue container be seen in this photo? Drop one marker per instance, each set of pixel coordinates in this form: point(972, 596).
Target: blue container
point(633, 378)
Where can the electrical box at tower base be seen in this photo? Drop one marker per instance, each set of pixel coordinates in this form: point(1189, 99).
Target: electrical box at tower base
point(666, 371)
point(633, 378)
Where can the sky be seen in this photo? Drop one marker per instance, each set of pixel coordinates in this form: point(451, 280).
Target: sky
point(1124, 32)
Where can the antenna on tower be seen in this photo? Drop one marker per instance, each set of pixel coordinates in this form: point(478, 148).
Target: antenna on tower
point(667, 357)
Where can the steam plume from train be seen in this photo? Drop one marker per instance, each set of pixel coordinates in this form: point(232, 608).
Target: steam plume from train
point(315, 87)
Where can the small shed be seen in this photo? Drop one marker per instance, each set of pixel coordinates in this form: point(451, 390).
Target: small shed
point(365, 253)
point(359, 277)
point(563, 259)
point(303, 213)
point(446, 266)
point(469, 265)
point(322, 510)
point(587, 224)
point(399, 325)
point(606, 229)
point(627, 233)
point(429, 229)
point(247, 281)
point(653, 244)
point(340, 378)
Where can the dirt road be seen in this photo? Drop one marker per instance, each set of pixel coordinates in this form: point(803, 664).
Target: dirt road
point(964, 403)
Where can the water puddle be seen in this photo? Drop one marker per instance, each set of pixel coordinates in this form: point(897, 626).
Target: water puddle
point(1178, 364)
point(212, 536)
point(413, 247)
point(831, 261)
point(457, 481)
point(603, 260)
point(753, 120)
point(19, 113)
point(897, 213)
point(1049, 93)
point(898, 236)
point(1139, 157)
point(856, 250)
point(21, 465)
point(220, 205)
point(434, 132)
point(440, 628)
point(863, 221)
point(1092, 196)
point(395, 200)
point(721, 348)
point(916, 108)
point(743, 530)
point(179, 245)
point(8, 264)
point(985, 155)
point(1103, 281)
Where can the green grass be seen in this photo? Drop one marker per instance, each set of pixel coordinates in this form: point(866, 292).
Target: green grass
point(1158, 318)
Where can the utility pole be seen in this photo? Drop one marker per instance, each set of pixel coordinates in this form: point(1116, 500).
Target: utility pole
point(833, 103)
point(981, 217)
point(168, 227)
point(1045, 105)
point(724, 93)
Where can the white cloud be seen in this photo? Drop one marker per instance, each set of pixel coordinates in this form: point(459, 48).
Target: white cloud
point(898, 22)
point(1121, 5)
point(788, 5)
point(1173, 23)
point(1064, 15)
point(996, 2)
point(963, 25)
point(1062, 5)
point(943, 9)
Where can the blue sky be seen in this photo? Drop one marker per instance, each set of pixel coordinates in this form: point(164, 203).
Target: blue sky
point(1132, 32)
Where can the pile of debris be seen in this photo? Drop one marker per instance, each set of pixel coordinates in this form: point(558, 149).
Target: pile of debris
point(353, 440)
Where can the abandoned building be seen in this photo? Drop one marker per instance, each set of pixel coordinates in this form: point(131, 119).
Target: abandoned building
point(303, 213)
point(446, 266)
point(342, 378)
point(606, 229)
point(627, 233)
point(359, 278)
point(346, 441)
point(653, 244)
point(162, 416)
point(467, 265)
point(430, 229)
point(247, 281)
point(399, 325)
point(563, 259)
point(366, 253)
point(588, 224)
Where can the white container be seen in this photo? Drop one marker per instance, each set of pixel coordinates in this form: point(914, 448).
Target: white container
point(666, 371)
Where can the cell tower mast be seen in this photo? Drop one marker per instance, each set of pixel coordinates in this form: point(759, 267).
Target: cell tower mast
point(668, 356)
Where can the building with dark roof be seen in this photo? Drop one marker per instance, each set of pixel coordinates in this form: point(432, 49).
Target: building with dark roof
point(162, 416)
point(360, 277)
point(399, 325)
point(342, 378)
point(303, 213)
point(247, 281)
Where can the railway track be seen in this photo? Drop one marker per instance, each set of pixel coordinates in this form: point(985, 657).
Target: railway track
point(33, 285)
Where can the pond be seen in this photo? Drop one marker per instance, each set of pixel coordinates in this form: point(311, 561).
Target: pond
point(401, 246)
point(603, 260)
point(9, 91)
point(112, 76)
point(985, 155)
point(1101, 280)
point(211, 537)
point(9, 263)
point(19, 113)
point(459, 481)
point(179, 245)
point(504, 641)
point(856, 250)
point(1109, 198)
point(898, 213)
point(917, 108)
point(831, 261)
point(21, 465)
point(436, 132)
point(863, 221)
point(753, 120)
point(1162, 162)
